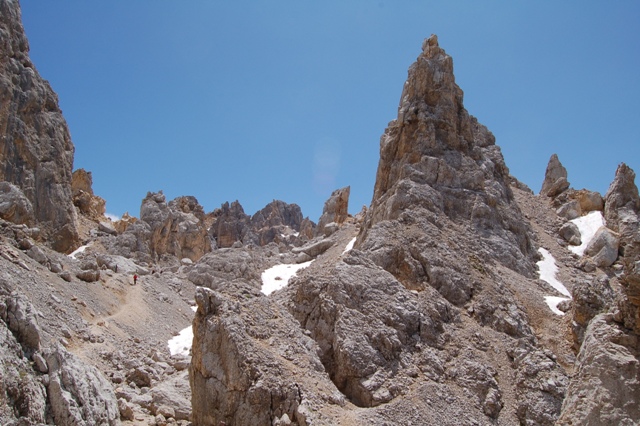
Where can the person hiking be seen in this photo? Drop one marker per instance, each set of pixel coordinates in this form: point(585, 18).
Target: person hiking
point(135, 279)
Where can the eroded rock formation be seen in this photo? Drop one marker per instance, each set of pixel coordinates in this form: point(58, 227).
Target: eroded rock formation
point(84, 199)
point(36, 152)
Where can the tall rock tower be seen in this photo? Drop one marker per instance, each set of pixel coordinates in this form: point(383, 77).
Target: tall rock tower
point(36, 152)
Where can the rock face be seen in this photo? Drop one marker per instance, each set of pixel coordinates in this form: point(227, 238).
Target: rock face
point(606, 388)
point(77, 392)
point(622, 213)
point(555, 178)
point(336, 209)
point(229, 225)
point(84, 199)
point(276, 222)
point(35, 145)
point(176, 228)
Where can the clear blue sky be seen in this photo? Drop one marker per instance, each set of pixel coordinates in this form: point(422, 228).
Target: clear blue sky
point(287, 99)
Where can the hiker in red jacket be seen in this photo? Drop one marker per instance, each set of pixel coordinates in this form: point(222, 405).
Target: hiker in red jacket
point(135, 279)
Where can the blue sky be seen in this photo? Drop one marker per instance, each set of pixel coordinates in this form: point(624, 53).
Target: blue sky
point(257, 101)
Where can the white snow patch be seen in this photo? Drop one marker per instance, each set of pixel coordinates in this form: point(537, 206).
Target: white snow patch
point(278, 276)
point(588, 226)
point(112, 217)
point(181, 344)
point(548, 269)
point(553, 302)
point(350, 245)
point(78, 251)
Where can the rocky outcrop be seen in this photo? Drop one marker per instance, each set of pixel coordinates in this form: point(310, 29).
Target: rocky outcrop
point(440, 168)
point(555, 178)
point(77, 392)
point(229, 225)
point(622, 213)
point(84, 199)
point(606, 387)
point(248, 361)
point(176, 228)
point(37, 152)
point(277, 222)
point(336, 210)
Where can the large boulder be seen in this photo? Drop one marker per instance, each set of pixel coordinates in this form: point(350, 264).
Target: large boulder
point(37, 152)
point(603, 247)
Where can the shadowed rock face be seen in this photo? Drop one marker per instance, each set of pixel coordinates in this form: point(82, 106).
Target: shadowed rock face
point(36, 151)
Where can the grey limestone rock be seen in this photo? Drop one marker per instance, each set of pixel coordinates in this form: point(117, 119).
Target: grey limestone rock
point(336, 210)
point(84, 199)
point(603, 248)
point(36, 145)
point(78, 393)
point(570, 232)
point(555, 178)
point(606, 388)
point(14, 205)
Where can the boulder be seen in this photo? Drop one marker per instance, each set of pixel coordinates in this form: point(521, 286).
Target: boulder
point(603, 248)
point(571, 234)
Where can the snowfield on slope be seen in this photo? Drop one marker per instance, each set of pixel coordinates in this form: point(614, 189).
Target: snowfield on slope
point(588, 226)
point(547, 269)
point(278, 276)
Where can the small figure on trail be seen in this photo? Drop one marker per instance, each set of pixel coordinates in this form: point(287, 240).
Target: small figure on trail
point(135, 279)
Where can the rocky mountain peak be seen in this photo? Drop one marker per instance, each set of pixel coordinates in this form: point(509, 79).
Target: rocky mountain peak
point(438, 164)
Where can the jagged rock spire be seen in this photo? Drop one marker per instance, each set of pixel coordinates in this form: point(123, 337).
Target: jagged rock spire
point(555, 178)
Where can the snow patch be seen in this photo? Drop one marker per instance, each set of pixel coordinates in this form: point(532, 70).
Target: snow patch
point(588, 226)
point(78, 251)
point(278, 276)
point(548, 269)
point(553, 302)
point(349, 246)
point(181, 344)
